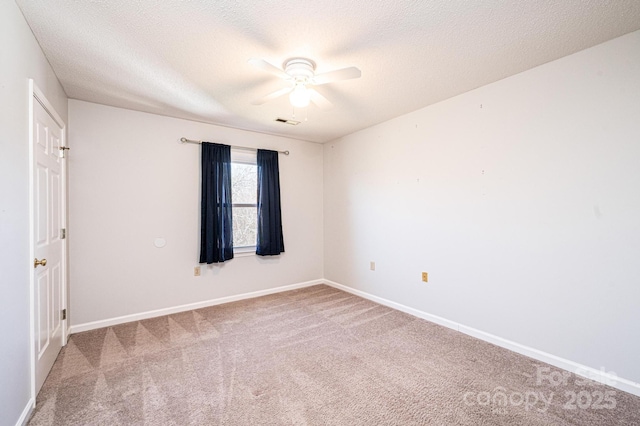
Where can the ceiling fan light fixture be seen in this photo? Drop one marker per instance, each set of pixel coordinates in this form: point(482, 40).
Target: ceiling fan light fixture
point(300, 96)
point(301, 75)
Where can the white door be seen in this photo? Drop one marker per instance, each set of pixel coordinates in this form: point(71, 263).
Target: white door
point(48, 265)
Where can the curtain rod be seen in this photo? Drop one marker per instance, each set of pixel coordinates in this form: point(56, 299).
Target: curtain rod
point(185, 140)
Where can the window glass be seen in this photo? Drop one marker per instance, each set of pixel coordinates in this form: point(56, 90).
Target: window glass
point(244, 183)
point(245, 224)
point(244, 193)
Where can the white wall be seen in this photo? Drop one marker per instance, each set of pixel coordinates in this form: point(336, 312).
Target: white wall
point(20, 59)
point(522, 201)
point(131, 181)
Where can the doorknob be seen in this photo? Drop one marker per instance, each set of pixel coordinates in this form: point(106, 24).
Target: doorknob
point(37, 262)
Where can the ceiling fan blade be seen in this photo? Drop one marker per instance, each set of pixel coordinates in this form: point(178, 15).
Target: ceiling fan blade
point(266, 66)
point(320, 101)
point(272, 96)
point(337, 75)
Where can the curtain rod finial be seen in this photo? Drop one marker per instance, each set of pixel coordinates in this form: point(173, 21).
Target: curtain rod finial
point(183, 140)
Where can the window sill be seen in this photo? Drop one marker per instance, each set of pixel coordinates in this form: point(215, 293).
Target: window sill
point(244, 251)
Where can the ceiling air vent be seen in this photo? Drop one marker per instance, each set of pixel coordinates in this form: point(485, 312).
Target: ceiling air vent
point(284, 120)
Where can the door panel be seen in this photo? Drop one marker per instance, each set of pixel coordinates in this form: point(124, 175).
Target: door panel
point(41, 190)
point(42, 312)
point(54, 226)
point(48, 217)
point(56, 299)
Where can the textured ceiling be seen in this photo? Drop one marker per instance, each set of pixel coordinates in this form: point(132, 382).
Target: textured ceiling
point(188, 59)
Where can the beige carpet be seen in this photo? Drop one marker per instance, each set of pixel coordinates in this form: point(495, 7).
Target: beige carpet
point(315, 356)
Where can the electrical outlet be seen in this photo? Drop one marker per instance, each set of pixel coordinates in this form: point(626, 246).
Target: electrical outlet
point(196, 271)
point(425, 277)
point(372, 266)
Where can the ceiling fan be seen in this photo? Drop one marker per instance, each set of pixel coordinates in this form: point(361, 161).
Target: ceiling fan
point(301, 76)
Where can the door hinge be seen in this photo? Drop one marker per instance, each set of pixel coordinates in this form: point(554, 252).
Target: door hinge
point(63, 233)
point(62, 150)
point(64, 314)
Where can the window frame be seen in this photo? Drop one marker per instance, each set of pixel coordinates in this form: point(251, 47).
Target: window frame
point(249, 157)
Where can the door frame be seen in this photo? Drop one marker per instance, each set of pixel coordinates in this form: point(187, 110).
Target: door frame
point(36, 95)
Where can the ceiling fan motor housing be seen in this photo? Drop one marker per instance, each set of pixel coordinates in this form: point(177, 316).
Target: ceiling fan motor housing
point(300, 69)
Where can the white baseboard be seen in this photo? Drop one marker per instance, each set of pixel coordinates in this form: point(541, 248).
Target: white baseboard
point(565, 364)
point(188, 307)
point(26, 413)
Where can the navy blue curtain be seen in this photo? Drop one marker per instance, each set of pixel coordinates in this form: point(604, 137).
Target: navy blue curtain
point(216, 232)
point(270, 241)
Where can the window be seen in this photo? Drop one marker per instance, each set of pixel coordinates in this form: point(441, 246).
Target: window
point(244, 190)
